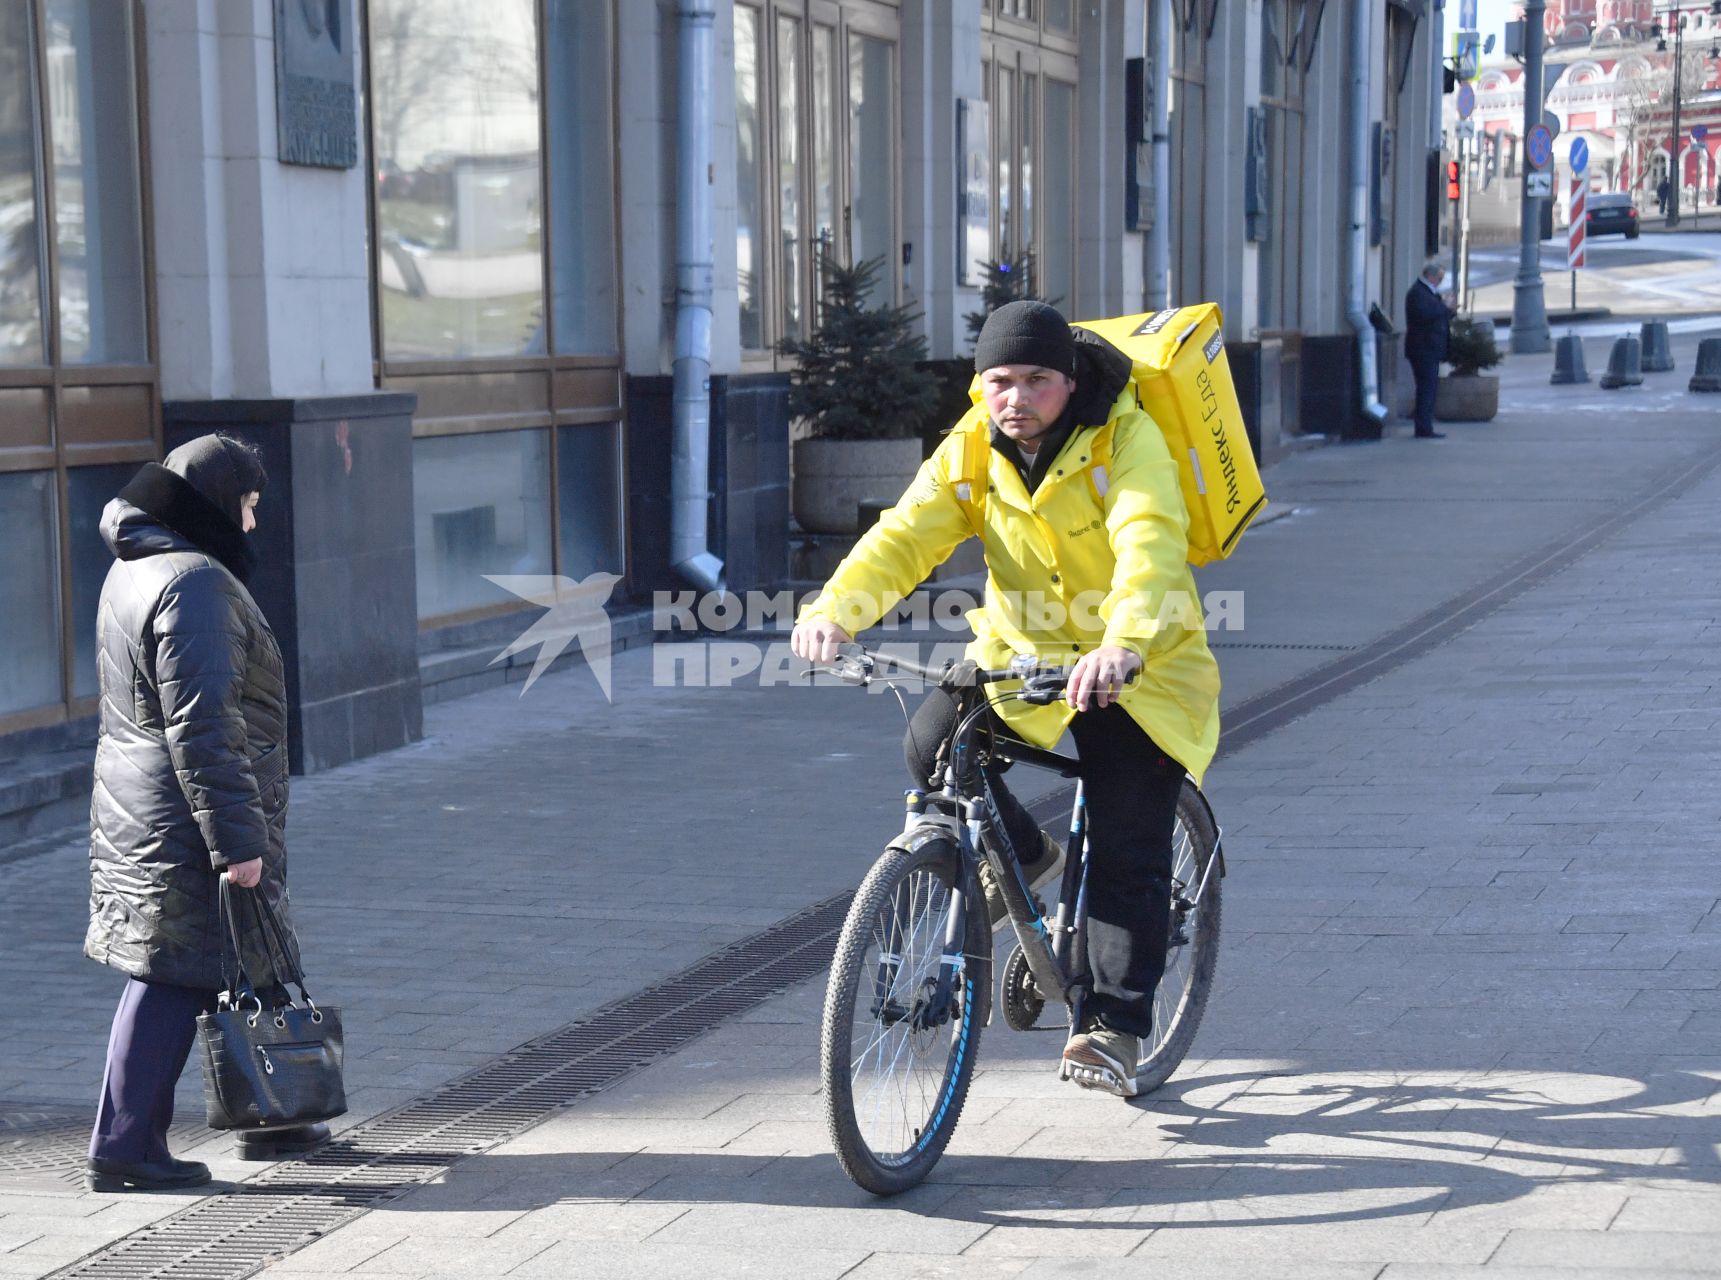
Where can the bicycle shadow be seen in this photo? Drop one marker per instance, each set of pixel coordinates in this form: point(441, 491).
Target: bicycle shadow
point(1286, 1149)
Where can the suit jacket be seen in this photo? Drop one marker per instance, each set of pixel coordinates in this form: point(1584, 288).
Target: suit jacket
point(1428, 324)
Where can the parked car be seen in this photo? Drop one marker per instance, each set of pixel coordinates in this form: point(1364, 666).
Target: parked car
point(1609, 213)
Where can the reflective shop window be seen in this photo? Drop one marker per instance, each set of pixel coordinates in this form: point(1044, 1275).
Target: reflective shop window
point(23, 338)
point(750, 242)
point(872, 175)
point(1056, 259)
point(789, 171)
point(98, 228)
point(580, 151)
point(88, 491)
point(30, 599)
point(481, 506)
point(459, 223)
point(826, 113)
point(588, 499)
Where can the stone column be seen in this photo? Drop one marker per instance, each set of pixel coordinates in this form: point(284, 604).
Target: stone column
point(264, 316)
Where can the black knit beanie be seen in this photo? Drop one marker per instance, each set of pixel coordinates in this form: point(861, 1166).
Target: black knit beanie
point(1026, 333)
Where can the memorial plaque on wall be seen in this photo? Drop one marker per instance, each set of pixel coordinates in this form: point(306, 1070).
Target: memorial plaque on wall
point(316, 108)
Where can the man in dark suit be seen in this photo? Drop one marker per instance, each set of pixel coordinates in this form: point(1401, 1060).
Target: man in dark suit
point(1428, 323)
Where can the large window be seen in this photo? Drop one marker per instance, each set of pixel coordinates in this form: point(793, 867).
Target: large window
point(1030, 84)
point(815, 156)
point(1189, 144)
point(1286, 36)
point(497, 286)
point(78, 389)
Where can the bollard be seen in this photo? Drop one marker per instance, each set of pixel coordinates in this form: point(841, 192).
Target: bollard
point(1569, 361)
point(1657, 352)
point(1624, 365)
point(1708, 373)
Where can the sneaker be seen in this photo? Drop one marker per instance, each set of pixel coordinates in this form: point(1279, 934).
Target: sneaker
point(1039, 873)
point(1102, 1058)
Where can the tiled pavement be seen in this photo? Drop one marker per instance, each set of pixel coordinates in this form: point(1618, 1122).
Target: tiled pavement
point(1470, 1012)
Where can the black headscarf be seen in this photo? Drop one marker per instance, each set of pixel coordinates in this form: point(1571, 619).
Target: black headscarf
point(199, 492)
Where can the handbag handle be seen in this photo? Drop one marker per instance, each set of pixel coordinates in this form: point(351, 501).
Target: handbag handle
point(273, 936)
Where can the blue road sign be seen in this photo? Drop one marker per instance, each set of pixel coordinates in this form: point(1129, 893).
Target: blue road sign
point(1539, 146)
point(1467, 14)
point(1699, 132)
point(1466, 101)
point(1580, 157)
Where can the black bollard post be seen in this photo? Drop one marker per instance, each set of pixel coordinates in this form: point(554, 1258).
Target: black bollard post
point(1569, 361)
point(1657, 350)
point(1708, 373)
point(1624, 365)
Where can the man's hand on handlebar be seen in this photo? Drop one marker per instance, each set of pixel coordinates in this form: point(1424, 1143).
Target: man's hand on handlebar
point(1101, 674)
point(816, 640)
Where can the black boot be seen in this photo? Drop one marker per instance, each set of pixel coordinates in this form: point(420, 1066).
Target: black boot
point(152, 1175)
point(273, 1144)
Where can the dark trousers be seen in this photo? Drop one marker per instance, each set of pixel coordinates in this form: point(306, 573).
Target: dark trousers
point(1426, 370)
point(1132, 788)
point(151, 1039)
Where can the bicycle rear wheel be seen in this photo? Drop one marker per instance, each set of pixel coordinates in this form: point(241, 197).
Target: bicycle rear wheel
point(895, 1061)
point(1193, 951)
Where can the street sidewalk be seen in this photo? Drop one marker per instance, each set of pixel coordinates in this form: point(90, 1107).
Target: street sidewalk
point(1468, 1011)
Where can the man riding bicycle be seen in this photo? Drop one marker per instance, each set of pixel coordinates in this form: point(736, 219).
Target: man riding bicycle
point(1086, 562)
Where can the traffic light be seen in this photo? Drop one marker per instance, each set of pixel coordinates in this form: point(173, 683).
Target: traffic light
point(1451, 179)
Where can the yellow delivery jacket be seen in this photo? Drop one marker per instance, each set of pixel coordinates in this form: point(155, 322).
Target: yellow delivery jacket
point(1097, 555)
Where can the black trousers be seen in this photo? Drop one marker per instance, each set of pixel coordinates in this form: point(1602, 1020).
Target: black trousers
point(151, 1039)
point(1426, 371)
point(1132, 788)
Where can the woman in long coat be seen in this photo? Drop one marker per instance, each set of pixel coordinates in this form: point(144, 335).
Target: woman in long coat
point(190, 783)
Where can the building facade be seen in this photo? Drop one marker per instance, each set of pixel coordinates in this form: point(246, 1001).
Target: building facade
point(1611, 65)
point(428, 263)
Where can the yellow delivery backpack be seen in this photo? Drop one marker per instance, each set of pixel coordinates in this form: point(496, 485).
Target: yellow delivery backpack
point(1184, 383)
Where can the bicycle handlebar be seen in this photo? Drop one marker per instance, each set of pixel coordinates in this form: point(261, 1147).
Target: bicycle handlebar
point(1042, 686)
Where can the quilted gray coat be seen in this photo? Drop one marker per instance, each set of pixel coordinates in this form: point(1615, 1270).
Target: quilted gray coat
point(191, 764)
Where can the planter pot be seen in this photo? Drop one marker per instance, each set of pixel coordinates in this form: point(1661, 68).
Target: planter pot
point(1473, 397)
point(831, 478)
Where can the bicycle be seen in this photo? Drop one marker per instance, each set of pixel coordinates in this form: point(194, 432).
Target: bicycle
point(911, 984)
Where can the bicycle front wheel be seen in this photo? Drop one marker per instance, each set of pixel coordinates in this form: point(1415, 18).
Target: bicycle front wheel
point(1193, 952)
point(898, 1052)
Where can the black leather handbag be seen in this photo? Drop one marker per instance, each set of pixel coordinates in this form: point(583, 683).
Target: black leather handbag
point(267, 1068)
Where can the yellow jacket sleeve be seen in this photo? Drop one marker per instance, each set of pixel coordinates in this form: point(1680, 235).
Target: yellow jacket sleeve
point(1148, 527)
point(893, 557)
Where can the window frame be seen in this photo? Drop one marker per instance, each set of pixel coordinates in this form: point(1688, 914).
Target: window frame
point(1001, 56)
point(77, 391)
point(846, 19)
point(487, 394)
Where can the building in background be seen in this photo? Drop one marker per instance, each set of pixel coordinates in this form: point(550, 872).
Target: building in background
point(1614, 61)
point(426, 260)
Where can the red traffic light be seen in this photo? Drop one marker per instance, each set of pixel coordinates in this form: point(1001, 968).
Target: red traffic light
point(1452, 180)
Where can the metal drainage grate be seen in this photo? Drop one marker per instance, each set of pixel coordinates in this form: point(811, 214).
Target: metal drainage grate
point(1243, 644)
point(291, 1204)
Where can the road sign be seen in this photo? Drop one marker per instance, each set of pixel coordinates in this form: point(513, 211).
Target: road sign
point(1467, 14)
point(1467, 102)
point(1580, 156)
point(1539, 146)
point(1578, 217)
point(1466, 53)
point(1699, 132)
point(1552, 123)
point(1538, 184)
point(1465, 129)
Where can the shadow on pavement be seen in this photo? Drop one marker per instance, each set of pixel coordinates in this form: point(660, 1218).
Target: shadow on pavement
point(1286, 1150)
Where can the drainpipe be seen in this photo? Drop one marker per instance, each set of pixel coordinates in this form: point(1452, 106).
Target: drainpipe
point(1159, 239)
point(1356, 283)
point(690, 457)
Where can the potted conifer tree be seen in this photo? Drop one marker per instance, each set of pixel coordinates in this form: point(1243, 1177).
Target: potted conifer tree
point(1467, 394)
point(857, 387)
